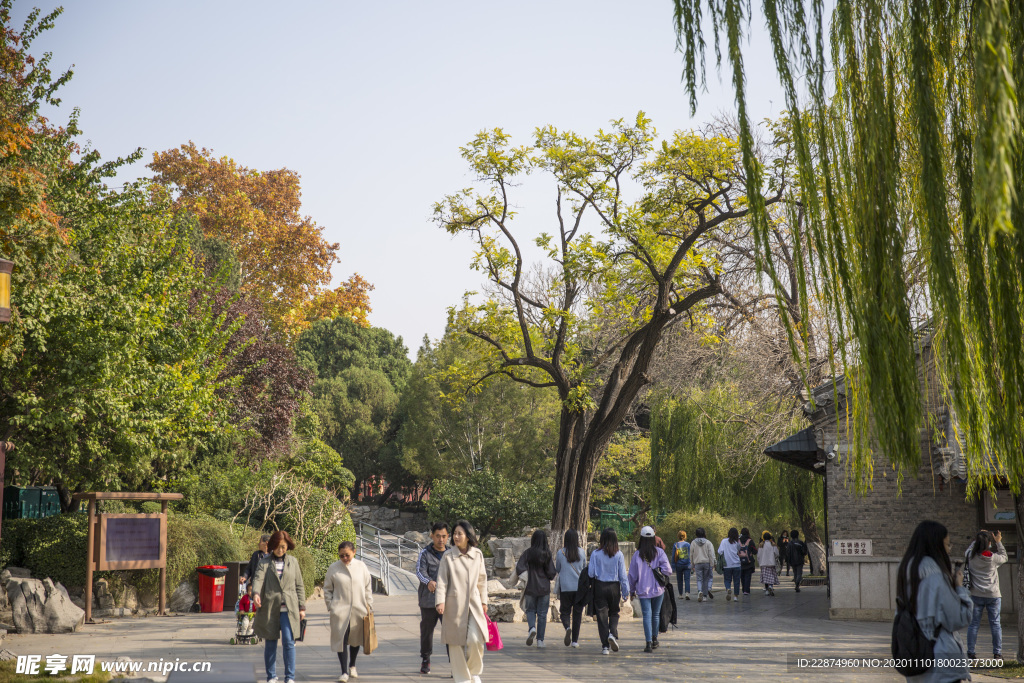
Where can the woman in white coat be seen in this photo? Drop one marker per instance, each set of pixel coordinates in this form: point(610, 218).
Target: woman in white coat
point(462, 600)
point(349, 598)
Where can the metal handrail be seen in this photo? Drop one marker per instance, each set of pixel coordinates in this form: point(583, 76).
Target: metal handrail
point(381, 556)
point(404, 550)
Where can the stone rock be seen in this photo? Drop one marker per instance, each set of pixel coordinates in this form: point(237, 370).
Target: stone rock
point(630, 609)
point(417, 537)
point(503, 559)
point(182, 598)
point(42, 607)
point(317, 594)
point(14, 572)
point(494, 587)
point(128, 598)
point(505, 611)
point(61, 614)
point(148, 599)
point(6, 655)
point(79, 601)
point(101, 587)
point(105, 602)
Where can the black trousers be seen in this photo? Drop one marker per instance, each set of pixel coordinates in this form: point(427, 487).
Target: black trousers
point(429, 618)
point(798, 574)
point(567, 608)
point(745, 578)
point(347, 662)
point(606, 600)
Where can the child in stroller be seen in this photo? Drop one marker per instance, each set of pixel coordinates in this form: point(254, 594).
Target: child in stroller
point(245, 611)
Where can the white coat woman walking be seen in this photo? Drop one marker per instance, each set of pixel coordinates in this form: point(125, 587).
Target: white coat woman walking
point(462, 601)
point(349, 597)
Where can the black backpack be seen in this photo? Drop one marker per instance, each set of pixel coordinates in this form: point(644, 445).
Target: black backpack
point(912, 650)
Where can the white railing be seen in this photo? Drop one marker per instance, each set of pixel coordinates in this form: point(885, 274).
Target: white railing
point(399, 551)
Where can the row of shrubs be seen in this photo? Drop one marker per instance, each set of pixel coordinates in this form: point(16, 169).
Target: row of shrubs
point(56, 547)
point(715, 525)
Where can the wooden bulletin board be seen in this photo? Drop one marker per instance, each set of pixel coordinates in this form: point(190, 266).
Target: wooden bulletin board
point(131, 541)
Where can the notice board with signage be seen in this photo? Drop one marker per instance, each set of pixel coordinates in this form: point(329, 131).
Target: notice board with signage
point(127, 541)
point(860, 547)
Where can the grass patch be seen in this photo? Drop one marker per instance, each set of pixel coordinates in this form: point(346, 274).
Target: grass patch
point(1009, 670)
point(7, 675)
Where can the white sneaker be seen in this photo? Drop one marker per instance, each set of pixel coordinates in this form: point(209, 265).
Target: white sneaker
point(687, 596)
point(728, 595)
point(700, 597)
point(613, 643)
point(352, 672)
point(530, 636)
point(289, 680)
point(476, 679)
point(343, 678)
point(735, 598)
point(575, 644)
point(604, 650)
point(540, 643)
point(272, 680)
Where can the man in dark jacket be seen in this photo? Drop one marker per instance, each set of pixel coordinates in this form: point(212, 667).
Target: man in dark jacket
point(797, 555)
point(427, 565)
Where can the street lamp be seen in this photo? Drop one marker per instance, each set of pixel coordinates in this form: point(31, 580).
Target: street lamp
point(6, 268)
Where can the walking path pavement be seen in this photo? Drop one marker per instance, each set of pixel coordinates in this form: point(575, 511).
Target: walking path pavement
point(755, 639)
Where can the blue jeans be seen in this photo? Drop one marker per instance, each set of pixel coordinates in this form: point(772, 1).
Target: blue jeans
point(683, 579)
point(287, 645)
point(732, 579)
point(537, 606)
point(705, 575)
point(992, 605)
point(651, 609)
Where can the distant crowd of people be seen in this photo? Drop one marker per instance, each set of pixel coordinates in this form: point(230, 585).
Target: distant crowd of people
point(936, 597)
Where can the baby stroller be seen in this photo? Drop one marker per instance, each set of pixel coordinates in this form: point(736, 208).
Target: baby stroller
point(244, 615)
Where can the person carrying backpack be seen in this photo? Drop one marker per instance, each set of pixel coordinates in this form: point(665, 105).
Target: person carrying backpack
point(702, 557)
point(797, 555)
point(932, 606)
point(681, 560)
point(747, 553)
point(984, 557)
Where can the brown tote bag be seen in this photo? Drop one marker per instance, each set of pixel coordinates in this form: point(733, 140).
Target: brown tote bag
point(369, 634)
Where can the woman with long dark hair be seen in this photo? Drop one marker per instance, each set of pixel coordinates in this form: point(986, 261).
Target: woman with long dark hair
point(644, 584)
point(540, 569)
point(462, 602)
point(929, 588)
point(747, 553)
point(570, 561)
point(611, 586)
point(984, 557)
point(729, 549)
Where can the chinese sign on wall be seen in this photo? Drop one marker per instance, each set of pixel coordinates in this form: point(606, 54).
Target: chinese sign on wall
point(861, 547)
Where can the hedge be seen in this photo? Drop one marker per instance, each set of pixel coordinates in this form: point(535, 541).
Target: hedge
point(55, 547)
point(715, 525)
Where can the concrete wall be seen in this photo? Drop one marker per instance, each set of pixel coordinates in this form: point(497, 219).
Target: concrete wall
point(865, 588)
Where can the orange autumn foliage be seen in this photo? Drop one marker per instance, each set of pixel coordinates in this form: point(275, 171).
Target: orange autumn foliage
point(285, 261)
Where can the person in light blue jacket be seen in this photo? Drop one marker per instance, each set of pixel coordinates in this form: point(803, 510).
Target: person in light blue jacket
point(611, 587)
point(569, 563)
point(928, 585)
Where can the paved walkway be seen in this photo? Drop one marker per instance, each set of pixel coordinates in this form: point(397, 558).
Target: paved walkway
point(753, 640)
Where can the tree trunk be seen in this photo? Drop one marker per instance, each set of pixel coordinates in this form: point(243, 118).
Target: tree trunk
point(64, 493)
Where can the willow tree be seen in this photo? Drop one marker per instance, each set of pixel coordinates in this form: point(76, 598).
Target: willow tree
point(909, 138)
point(617, 272)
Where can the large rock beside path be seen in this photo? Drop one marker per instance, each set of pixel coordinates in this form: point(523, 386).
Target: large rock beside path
point(182, 598)
point(42, 606)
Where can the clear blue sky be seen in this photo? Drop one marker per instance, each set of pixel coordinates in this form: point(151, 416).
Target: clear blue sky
point(370, 103)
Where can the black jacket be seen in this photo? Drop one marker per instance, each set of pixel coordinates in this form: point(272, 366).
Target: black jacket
point(249, 572)
point(538, 579)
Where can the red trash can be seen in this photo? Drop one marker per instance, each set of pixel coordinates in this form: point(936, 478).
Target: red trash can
point(211, 587)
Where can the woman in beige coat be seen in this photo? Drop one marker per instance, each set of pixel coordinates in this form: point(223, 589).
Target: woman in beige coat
point(349, 598)
point(462, 600)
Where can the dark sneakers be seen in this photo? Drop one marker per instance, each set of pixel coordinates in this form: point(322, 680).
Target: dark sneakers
point(648, 648)
point(654, 644)
point(425, 666)
point(568, 637)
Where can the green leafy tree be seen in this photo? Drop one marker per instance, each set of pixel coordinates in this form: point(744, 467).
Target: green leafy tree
point(493, 503)
point(361, 373)
point(502, 426)
point(590, 324)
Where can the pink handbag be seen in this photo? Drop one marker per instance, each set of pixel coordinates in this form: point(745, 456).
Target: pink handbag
point(493, 636)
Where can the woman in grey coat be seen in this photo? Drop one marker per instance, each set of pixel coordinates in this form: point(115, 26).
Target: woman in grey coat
point(928, 585)
point(280, 598)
